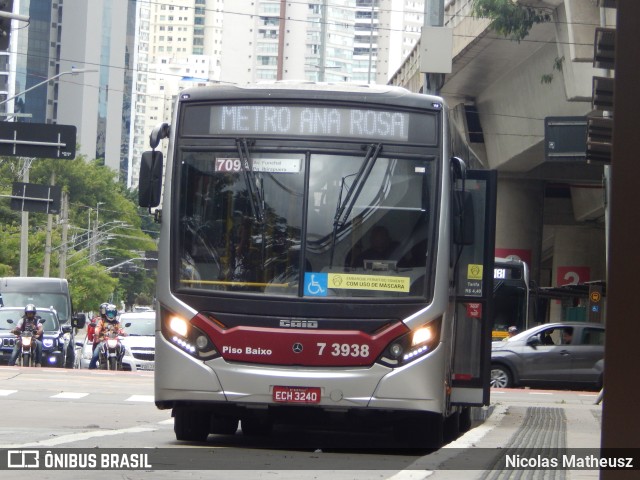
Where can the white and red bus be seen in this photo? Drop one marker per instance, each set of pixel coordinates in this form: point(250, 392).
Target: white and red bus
point(323, 254)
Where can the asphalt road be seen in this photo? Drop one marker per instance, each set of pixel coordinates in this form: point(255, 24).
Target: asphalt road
point(68, 409)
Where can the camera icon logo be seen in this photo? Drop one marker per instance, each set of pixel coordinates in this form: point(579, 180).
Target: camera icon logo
point(23, 459)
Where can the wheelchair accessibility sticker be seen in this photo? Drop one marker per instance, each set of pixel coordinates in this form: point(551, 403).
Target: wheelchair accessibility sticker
point(315, 284)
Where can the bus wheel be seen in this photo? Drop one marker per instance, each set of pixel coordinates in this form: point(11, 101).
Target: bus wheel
point(452, 427)
point(256, 426)
point(500, 377)
point(190, 424)
point(223, 425)
point(465, 419)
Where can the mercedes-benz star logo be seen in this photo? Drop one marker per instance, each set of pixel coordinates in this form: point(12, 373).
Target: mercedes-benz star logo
point(297, 348)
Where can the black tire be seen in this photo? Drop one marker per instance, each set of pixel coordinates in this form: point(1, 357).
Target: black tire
point(465, 419)
point(254, 426)
point(451, 427)
point(501, 376)
point(422, 431)
point(223, 425)
point(69, 358)
point(113, 363)
point(190, 424)
point(26, 360)
point(102, 362)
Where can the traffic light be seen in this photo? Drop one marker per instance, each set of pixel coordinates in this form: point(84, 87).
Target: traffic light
point(5, 24)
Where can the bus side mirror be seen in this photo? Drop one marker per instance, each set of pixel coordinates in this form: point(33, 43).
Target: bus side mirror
point(463, 213)
point(464, 224)
point(150, 184)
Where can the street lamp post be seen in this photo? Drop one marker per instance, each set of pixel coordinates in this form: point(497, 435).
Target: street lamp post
point(73, 71)
point(94, 235)
point(24, 233)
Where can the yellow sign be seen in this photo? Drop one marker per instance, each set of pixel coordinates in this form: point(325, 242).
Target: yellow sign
point(595, 297)
point(474, 272)
point(368, 282)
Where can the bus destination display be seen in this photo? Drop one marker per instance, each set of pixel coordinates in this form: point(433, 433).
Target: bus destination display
point(315, 121)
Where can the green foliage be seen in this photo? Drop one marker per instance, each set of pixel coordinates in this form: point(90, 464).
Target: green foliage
point(510, 19)
point(94, 194)
point(90, 285)
point(557, 65)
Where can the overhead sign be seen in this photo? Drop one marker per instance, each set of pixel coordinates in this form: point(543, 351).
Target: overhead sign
point(565, 138)
point(39, 140)
point(31, 197)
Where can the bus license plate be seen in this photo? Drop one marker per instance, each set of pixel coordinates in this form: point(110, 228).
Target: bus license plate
point(296, 394)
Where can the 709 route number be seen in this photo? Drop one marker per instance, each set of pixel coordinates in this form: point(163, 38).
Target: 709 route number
point(344, 349)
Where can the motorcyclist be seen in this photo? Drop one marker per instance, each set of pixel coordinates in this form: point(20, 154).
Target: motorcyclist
point(29, 321)
point(109, 322)
point(93, 323)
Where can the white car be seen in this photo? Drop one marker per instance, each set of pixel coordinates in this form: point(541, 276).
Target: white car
point(140, 341)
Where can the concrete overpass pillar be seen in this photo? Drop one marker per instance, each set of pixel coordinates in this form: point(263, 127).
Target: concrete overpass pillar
point(519, 215)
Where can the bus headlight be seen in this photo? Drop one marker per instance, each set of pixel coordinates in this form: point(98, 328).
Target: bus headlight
point(421, 335)
point(412, 345)
point(187, 337)
point(179, 325)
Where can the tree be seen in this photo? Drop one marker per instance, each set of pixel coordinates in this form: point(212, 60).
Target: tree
point(90, 285)
point(92, 188)
point(509, 18)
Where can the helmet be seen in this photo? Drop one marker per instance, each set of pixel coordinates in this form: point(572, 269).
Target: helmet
point(31, 308)
point(103, 309)
point(111, 313)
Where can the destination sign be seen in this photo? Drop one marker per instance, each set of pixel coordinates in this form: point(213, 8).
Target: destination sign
point(314, 121)
point(310, 121)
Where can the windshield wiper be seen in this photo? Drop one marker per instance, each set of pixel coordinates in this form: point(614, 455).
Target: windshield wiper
point(255, 193)
point(343, 210)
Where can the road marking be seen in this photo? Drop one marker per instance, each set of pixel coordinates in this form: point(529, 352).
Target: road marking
point(140, 398)
point(540, 393)
point(168, 421)
point(587, 395)
point(70, 395)
point(411, 475)
point(6, 393)
point(497, 393)
point(77, 437)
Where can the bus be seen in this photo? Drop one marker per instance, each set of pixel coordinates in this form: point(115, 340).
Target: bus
point(324, 259)
point(512, 296)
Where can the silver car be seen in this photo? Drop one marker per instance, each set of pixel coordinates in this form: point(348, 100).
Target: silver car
point(140, 342)
point(568, 354)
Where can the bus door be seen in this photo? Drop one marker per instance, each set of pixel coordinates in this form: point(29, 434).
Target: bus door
point(473, 259)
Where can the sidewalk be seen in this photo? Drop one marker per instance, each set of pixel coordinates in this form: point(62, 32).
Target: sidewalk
point(541, 433)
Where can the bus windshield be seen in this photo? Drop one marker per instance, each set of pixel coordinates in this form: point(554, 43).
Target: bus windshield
point(303, 223)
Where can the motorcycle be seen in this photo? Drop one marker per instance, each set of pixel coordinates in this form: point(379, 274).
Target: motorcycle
point(27, 349)
point(111, 352)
